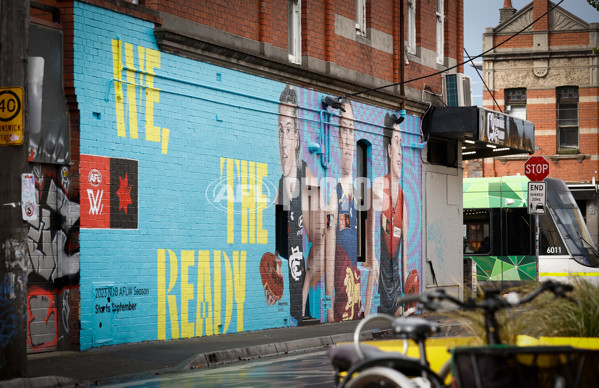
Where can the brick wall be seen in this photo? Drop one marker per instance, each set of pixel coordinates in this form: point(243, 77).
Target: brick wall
point(520, 41)
point(569, 39)
point(266, 21)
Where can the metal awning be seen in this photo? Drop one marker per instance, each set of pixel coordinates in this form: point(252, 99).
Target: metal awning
point(484, 133)
point(583, 190)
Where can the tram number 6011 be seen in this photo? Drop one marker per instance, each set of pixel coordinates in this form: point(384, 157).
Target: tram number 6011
point(554, 250)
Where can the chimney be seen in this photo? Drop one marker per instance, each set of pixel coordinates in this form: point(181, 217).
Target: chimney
point(539, 7)
point(507, 11)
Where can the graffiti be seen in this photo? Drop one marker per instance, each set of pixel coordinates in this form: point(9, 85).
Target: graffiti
point(437, 237)
point(8, 318)
point(11, 287)
point(41, 323)
point(15, 253)
point(12, 292)
point(53, 252)
point(66, 310)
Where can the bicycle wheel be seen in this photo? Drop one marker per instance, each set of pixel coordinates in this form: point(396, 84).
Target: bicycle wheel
point(379, 376)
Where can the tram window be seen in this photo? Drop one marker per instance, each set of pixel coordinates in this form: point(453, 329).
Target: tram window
point(551, 241)
point(518, 232)
point(476, 231)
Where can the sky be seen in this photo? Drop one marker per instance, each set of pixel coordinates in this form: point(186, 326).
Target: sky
point(480, 14)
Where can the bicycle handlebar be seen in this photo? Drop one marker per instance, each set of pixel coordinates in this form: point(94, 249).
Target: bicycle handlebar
point(490, 304)
point(493, 301)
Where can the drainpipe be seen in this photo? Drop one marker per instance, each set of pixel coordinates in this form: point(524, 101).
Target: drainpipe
point(402, 53)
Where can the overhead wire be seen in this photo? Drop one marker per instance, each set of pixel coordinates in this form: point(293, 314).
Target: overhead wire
point(483, 81)
point(455, 66)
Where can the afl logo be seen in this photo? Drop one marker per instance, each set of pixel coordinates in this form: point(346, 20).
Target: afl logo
point(94, 177)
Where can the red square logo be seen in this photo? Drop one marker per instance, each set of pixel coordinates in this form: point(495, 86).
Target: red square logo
point(95, 191)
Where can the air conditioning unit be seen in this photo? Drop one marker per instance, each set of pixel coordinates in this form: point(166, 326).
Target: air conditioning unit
point(458, 89)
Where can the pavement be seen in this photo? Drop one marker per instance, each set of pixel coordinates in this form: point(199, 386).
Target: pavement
point(129, 362)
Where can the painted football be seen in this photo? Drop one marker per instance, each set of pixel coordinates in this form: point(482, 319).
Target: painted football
point(272, 276)
point(412, 286)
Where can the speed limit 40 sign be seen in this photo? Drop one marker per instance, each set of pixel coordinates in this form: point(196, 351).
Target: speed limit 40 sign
point(11, 116)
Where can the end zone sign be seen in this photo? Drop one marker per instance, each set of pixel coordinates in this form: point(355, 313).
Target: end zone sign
point(537, 197)
point(536, 168)
point(11, 116)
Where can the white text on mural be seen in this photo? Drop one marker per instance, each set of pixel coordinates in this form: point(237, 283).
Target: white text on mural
point(139, 81)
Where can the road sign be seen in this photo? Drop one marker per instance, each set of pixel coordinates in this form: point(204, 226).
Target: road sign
point(11, 116)
point(537, 197)
point(536, 168)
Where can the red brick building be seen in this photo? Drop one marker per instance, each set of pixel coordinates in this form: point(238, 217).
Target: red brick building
point(547, 73)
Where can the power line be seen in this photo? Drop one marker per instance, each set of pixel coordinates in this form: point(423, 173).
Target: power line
point(459, 64)
point(484, 83)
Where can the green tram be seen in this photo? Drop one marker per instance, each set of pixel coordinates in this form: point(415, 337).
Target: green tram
point(499, 234)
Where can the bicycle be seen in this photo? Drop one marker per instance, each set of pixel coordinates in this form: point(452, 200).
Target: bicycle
point(498, 365)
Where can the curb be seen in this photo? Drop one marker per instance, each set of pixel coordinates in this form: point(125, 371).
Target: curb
point(39, 382)
point(269, 350)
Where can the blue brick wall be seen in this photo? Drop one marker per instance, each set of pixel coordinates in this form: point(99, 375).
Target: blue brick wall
point(186, 269)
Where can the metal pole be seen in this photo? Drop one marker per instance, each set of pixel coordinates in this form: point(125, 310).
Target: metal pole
point(14, 35)
point(537, 244)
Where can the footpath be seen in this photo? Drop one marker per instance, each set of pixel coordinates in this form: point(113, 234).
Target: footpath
point(129, 362)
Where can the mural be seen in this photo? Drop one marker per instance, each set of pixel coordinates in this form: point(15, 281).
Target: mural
point(352, 286)
point(109, 187)
point(342, 276)
point(392, 260)
point(53, 268)
point(194, 222)
point(298, 226)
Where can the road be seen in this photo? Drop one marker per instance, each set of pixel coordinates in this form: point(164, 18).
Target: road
point(306, 370)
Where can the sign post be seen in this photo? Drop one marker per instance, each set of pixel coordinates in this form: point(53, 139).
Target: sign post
point(536, 168)
point(14, 35)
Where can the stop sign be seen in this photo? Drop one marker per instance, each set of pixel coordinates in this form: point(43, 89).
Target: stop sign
point(536, 168)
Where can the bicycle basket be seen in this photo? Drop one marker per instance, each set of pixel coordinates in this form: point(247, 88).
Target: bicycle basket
point(525, 367)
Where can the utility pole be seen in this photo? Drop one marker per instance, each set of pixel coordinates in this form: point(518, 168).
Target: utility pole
point(14, 36)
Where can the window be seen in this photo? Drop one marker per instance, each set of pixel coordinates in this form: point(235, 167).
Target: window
point(551, 242)
point(440, 32)
point(518, 240)
point(363, 197)
point(411, 46)
point(295, 31)
point(361, 17)
point(477, 232)
point(515, 103)
point(567, 118)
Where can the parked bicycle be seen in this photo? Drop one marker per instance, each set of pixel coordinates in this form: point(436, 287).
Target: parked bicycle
point(490, 366)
